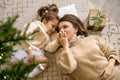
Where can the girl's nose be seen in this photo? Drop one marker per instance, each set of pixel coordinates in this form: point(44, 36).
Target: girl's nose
point(53, 29)
point(61, 30)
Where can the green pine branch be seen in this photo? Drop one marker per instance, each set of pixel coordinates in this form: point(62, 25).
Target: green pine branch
point(19, 71)
point(9, 37)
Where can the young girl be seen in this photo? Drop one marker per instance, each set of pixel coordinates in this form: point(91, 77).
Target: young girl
point(33, 49)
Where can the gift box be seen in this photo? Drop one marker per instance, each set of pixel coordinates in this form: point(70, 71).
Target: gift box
point(96, 19)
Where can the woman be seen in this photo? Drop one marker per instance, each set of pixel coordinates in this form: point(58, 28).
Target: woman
point(34, 47)
point(84, 57)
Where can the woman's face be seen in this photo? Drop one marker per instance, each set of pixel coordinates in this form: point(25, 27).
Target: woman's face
point(51, 25)
point(68, 28)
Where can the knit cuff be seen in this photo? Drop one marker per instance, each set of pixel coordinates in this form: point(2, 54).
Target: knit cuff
point(116, 58)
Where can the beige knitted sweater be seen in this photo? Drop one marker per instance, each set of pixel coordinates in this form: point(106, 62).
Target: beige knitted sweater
point(41, 39)
point(86, 59)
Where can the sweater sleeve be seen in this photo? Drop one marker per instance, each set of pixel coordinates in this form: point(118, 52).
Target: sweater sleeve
point(108, 50)
point(51, 46)
point(40, 38)
point(66, 62)
point(32, 27)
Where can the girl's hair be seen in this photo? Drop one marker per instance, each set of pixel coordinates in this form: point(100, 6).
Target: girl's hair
point(76, 22)
point(48, 12)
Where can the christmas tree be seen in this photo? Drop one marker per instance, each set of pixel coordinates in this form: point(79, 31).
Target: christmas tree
point(9, 37)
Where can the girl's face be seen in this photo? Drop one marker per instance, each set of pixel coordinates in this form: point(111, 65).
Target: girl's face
point(68, 28)
point(51, 25)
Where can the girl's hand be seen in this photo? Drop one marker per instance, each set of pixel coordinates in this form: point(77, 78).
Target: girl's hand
point(63, 40)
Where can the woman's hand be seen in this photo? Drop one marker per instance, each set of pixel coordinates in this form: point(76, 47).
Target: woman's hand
point(107, 71)
point(63, 40)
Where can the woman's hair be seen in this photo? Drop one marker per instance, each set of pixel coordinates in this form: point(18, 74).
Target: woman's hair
point(48, 12)
point(76, 22)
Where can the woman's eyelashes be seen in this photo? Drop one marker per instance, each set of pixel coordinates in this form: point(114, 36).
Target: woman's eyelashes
point(58, 29)
point(64, 26)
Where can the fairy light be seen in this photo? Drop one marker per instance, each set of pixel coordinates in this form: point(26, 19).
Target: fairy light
point(5, 77)
point(0, 57)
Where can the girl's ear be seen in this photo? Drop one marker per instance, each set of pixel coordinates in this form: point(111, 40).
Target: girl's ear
point(44, 21)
